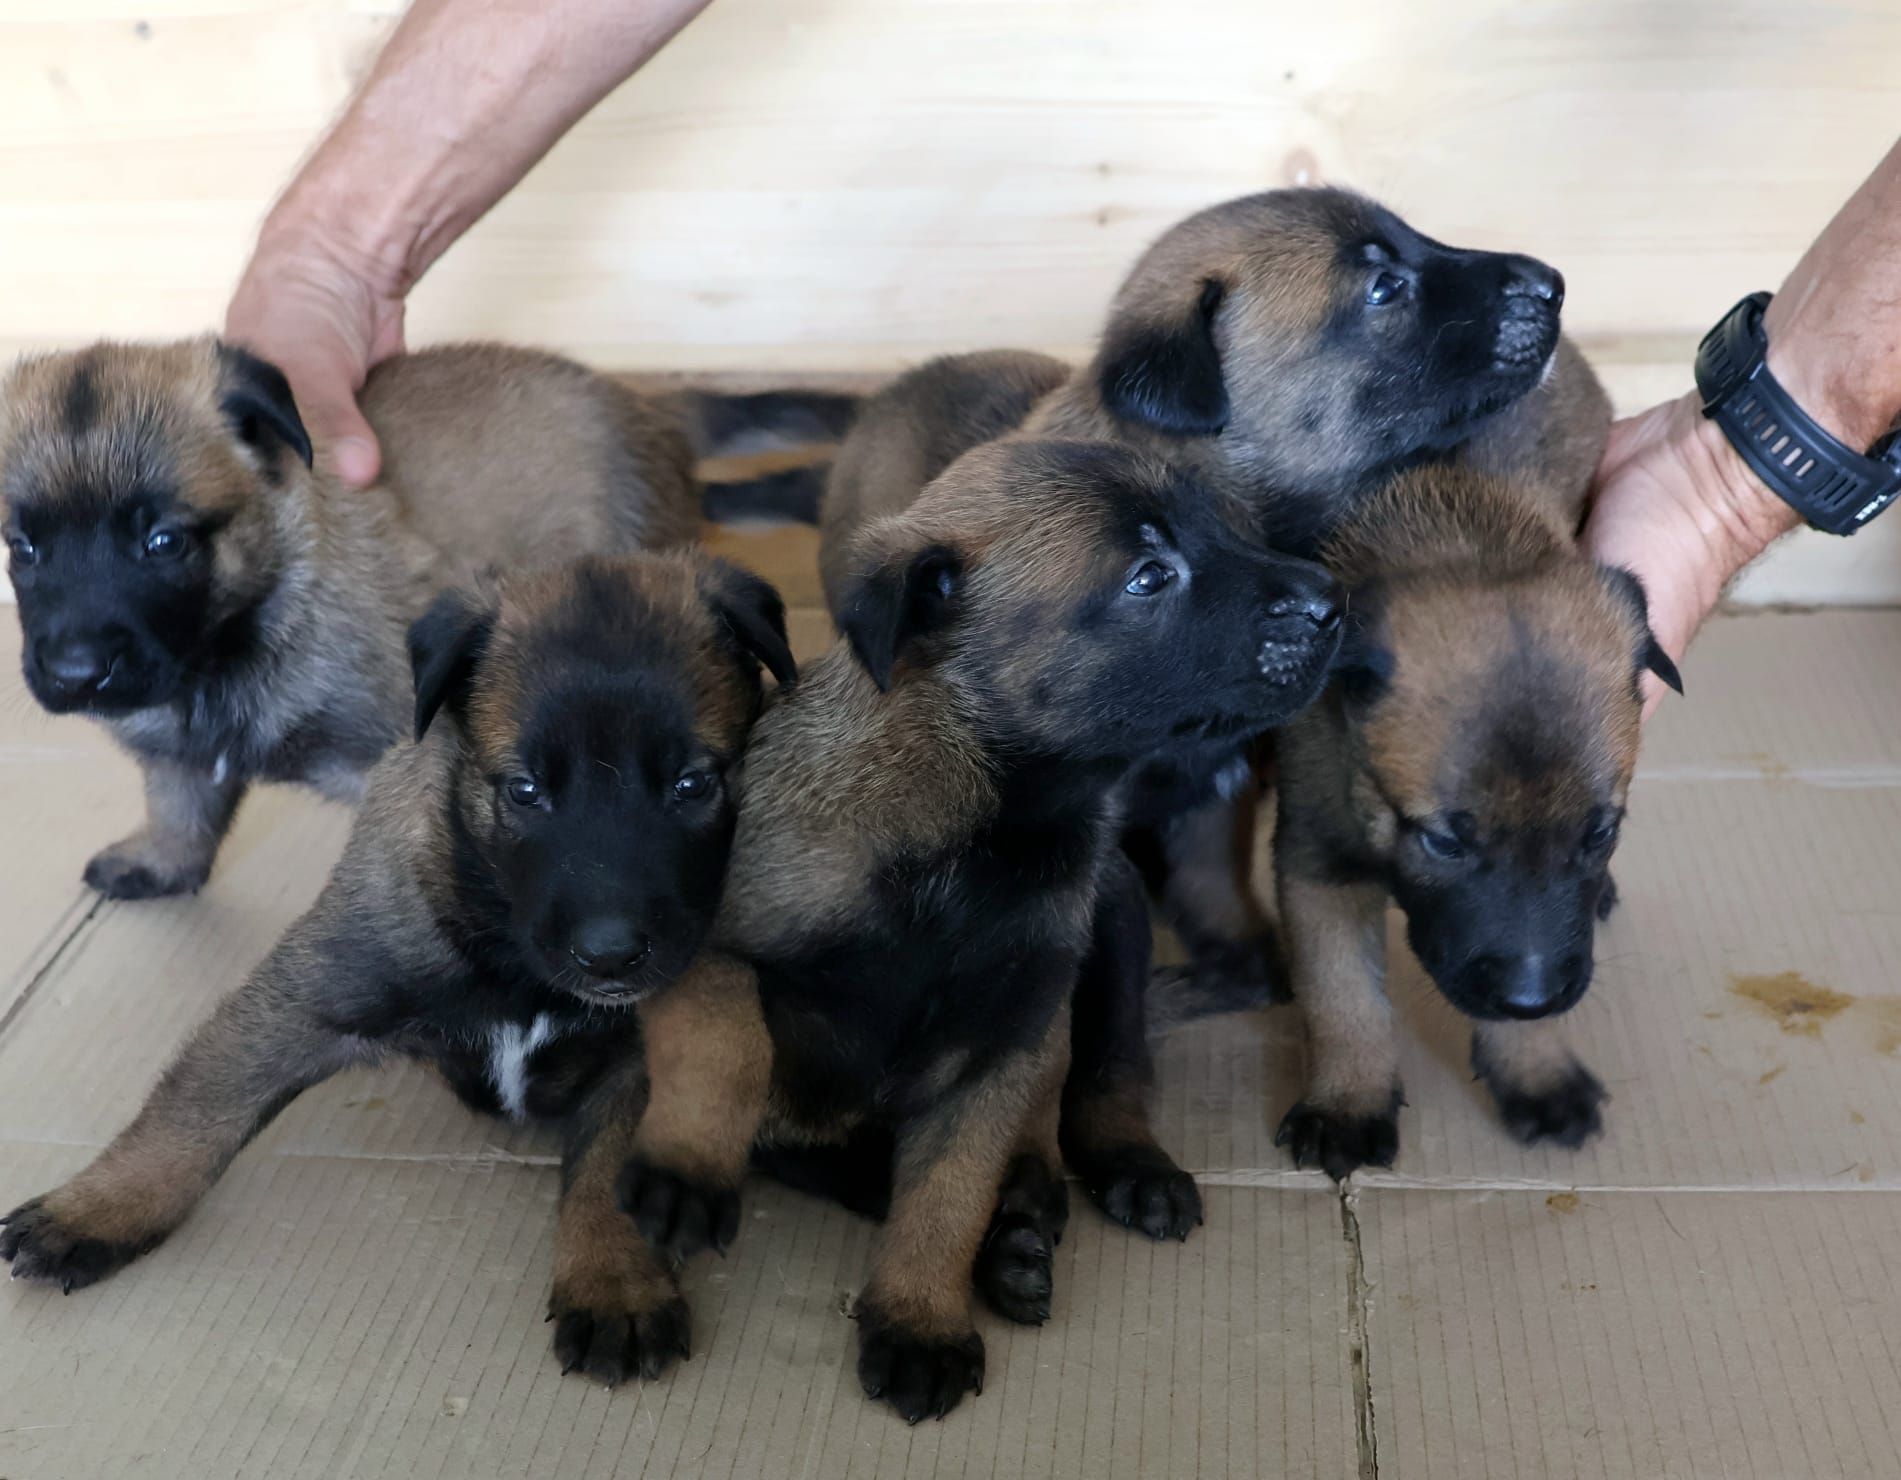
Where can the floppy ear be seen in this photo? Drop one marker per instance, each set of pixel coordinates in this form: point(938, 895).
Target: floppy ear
point(886, 608)
point(256, 400)
point(445, 644)
point(1650, 653)
point(752, 617)
point(1364, 664)
point(1166, 373)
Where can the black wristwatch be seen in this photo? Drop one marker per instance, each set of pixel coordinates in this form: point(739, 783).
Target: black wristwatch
point(1827, 482)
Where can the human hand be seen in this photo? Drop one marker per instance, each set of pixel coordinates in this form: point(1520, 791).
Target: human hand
point(323, 313)
point(1675, 504)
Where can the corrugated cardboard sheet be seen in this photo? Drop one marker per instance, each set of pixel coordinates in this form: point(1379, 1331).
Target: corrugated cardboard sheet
point(1709, 1289)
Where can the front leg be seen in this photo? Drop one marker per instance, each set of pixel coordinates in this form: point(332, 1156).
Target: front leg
point(1543, 1092)
point(1208, 895)
point(1106, 1136)
point(187, 813)
point(709, 1057)
point(616, 1306)
point(1349, 1115)
point(1015, 1268)
point(917, 1348)
point(259, 1050)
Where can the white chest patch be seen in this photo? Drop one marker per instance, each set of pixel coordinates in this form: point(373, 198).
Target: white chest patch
point(509, 1049)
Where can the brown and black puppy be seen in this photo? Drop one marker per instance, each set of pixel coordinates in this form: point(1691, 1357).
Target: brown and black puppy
point(550, 852)
point(924, 826)
point(1471, 761)
point(230, 615)
point(1288, 351)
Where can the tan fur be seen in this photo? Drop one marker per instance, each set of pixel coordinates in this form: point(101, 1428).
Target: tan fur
point(709, 1058)
point(1336, 951)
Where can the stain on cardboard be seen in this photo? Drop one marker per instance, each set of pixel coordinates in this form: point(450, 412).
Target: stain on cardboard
point(1769, 767)
point(1798, 1005)
point(1562, 1202)
point(1768, 1075)
point(1855, 1117)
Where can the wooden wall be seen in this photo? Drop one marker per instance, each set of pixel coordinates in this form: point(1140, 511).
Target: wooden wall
point(855, 184)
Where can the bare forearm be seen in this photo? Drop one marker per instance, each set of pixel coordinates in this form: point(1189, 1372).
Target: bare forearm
point(464, 99)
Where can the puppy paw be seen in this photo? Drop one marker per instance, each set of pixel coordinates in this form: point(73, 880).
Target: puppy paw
point(676, 1214)
point(1568, 1112)
point(1140, 1188)
point(138, 869)
point(43, 1249)
point(922, 1376)
point(608, 1336)
point(1015, 1269)
point(1337, 1143)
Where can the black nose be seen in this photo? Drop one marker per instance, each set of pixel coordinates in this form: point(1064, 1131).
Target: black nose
point(1525, 986)
point(78, 662)
point(607, 947)
point(1527, 277)
point(1323, 605)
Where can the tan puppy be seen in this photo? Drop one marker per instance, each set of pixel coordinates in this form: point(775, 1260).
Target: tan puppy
point(1471, 760)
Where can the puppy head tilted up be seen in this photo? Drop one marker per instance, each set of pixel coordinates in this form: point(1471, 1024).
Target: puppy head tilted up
point(1322, 338)
point(1088, 602)
point(594, 711)
point(1490, 684)
point(139, 518)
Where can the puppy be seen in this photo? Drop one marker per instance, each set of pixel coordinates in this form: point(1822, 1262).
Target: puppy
point(550, 852)
point(1471, 760)
point(1287, 351)
point(925, 823)
point(232, 616)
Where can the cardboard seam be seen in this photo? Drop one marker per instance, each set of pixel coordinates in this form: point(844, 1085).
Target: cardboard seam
point(1831, 778)
point(61, 944)
point(1366, 1437)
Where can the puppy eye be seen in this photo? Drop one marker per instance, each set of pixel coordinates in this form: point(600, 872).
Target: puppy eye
point(1384, 288)
point(1441, 845)
point(1149, 579)
point(693, 786)
point(524, 791)
point(165, 544)
point(1600, 835)
point(21, 549)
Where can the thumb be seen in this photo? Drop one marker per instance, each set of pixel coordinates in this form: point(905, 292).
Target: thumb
point(344, 441)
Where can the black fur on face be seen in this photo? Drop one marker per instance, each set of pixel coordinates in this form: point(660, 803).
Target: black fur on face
point(1504, 921)
point(137, 547)
point(1127, 618)
point(594, 816)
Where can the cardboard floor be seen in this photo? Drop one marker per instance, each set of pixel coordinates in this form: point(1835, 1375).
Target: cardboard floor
point(1713, 1288)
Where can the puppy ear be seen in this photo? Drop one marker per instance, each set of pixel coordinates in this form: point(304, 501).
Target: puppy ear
point(1166, 372)
point(891, 605)
point(1650, 653)
point(445, 644)
point(752, 617)
point(255, 398)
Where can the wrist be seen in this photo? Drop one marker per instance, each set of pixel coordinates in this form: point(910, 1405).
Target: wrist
point(1736, 514)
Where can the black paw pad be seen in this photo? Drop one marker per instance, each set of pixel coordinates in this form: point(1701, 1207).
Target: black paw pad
point(42, 1249)
point(611, 1346)
point(675, 1214)
point(1140, 1188)
point(1568, 1113)
point(1015, 1271)
point(1340, 1144)
point(920, 1376)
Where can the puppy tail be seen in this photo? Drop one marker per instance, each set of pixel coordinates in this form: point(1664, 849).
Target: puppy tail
point(768, 421)
point(1179, 995)
point(789, 496)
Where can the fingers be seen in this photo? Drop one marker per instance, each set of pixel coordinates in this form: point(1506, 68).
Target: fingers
point(308, 310)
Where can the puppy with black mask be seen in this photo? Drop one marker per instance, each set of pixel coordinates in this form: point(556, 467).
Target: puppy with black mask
point(1288, 351)
point(231, 615)
point(926, 824)
point(1471, 761)
point(549, 854)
